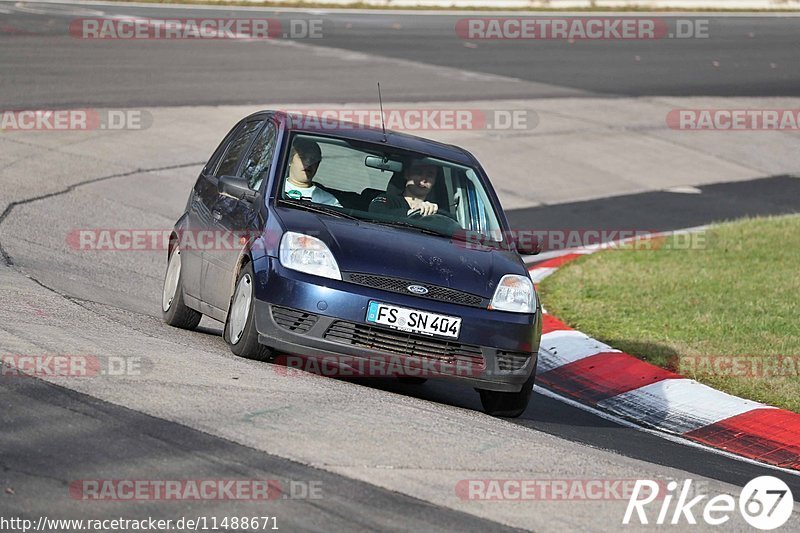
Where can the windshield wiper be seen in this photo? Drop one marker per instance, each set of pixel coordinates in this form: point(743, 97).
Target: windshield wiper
point(402, 224)
point(317, 208)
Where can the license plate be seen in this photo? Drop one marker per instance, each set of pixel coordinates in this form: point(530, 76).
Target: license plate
point(413, 321)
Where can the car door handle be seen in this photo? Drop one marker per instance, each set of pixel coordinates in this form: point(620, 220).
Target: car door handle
point(216, 214)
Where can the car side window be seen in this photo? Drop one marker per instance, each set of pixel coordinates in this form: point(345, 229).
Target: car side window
point(208, 170)
point(258, 161)
point(227, 166)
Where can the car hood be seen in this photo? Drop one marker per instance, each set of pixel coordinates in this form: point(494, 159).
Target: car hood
point(406, 253)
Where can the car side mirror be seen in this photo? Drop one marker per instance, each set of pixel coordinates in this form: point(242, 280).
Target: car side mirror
point(236, 187)
point(527, 243)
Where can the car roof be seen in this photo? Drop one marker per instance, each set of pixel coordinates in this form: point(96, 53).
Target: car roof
point(358, 132)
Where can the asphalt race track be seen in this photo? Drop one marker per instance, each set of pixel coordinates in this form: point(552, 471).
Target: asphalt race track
point(386, 455)
point(755, 56)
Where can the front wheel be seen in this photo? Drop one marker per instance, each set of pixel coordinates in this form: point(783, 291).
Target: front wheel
point(240, 328)
point(507, 404)
point(173, 309)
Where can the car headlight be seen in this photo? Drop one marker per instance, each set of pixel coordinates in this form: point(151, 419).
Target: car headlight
point(514, 293)
point(308, 254)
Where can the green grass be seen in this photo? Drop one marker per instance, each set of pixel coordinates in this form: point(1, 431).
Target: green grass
point(738, 295)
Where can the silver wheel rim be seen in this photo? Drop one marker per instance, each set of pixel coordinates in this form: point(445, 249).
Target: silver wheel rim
point(240, 308)
point(171, 281)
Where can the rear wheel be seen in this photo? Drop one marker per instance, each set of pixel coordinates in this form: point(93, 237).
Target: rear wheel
point(240, 328)
point(173, 309)
point(507, 404)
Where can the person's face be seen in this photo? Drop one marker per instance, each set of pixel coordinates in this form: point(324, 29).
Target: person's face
point(304, 168)
point(421, 179)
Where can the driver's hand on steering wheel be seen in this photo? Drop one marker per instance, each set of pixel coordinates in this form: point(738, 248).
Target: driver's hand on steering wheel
point(425, 209)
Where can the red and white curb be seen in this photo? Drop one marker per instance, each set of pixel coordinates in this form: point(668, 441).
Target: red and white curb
point(586, 371)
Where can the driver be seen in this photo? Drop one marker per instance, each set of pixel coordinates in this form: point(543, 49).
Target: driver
point(420, 179)
point(304, 161)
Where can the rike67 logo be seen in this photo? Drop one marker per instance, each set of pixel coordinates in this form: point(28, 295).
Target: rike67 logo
point(765, 503)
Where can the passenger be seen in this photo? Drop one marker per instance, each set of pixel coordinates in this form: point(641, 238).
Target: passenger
point(304, 161)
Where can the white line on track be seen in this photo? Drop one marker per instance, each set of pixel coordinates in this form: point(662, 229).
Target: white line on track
point(318, 11)
point(67, 9)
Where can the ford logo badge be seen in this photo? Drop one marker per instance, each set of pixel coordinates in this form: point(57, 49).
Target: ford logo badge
point(417, 289)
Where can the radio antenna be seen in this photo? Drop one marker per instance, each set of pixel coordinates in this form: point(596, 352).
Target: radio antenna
point(383, 120)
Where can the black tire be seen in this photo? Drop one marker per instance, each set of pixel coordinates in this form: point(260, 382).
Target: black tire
point(177, 313)
point(411, 380)
point(246, 345)
point(507, 404)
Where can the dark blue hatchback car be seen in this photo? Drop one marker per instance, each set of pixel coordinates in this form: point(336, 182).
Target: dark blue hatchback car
point(359, 248)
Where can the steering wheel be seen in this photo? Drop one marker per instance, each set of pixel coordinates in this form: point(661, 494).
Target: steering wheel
point(416, 214)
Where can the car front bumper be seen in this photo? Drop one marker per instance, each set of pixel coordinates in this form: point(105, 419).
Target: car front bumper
point(309, 316)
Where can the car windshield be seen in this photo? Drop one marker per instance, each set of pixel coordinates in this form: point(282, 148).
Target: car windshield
point(385, 186)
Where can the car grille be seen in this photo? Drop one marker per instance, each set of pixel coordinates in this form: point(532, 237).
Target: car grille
point(293, 320)
point(511, 361)
point(404, 343)
point(442, 294)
